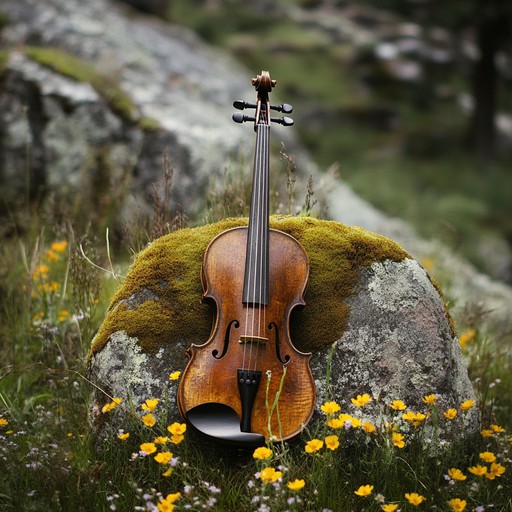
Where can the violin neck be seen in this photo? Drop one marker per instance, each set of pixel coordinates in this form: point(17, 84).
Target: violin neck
point(257, 256)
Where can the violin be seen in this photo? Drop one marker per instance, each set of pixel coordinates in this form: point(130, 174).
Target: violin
point(248, 383)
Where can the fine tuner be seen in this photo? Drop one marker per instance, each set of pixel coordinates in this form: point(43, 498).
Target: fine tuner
point(238, 117)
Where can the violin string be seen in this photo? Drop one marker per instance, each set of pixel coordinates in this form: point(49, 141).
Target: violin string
point(257, 291)
point(265, 234)
point(251, 235)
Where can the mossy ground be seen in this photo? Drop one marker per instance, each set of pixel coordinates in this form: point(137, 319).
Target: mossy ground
point(170, 268)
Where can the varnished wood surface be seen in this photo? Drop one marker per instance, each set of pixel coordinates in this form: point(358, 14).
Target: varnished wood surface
point(209, 379)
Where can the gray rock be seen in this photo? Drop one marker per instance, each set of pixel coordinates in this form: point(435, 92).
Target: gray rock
point(398, 342)
point(177, 94)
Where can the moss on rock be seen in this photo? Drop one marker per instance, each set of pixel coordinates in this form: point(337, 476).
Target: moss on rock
point(159, 303)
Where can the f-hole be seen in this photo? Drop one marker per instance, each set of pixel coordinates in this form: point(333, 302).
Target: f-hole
point(215, 353)
point(284, 361)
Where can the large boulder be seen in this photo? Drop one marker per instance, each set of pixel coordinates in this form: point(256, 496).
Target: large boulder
point(373, 320)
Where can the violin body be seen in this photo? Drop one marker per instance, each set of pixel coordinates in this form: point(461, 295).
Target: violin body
point(212, 369)
point(248, 382)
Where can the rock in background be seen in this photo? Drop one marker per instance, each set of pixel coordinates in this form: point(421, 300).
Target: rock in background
point(89, 88)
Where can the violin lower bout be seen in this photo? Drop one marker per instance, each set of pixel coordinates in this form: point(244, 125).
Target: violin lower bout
point(254, 338)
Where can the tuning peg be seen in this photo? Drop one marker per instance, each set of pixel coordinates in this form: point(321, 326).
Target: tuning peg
point(285, 121)
point(238, 117)
point(284, 108)
point(240, 104)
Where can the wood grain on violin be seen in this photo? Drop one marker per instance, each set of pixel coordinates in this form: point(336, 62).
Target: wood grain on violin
point(254, 277)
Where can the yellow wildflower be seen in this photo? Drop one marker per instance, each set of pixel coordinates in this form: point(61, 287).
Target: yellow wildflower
point(487, 456)
point(41, 272)
point(364, 490)
point(150, 404)
point(111, 405)
point(166, 504)
point(123, 436)
point(296, 485)
point(398, 405)
point(270, 475)
point(456, 474)
point(163, 457)
point(161, 440)
point(148, 448)
point(177, 429)
point(389, 507)
point(478, 470)
point(486, 433)
point(3, 422)
point(330, 408)
point(262, 453)
point(497, 428)
point(149, 420)
point(63, 315)
point(168, 472)
point(398, 440)
point(336, 423)
point(38, 316)
point(344, 417)
point(468, 404)
point(467, 336)
point(457, 505)
point(356, 422)
point(414, 498)
point(369, 427)
point(450, 414)
point(332, 442)
point(163, 506)
point(429, 399)
point(51, 255)
point(59, 246)
point(48, 288)
point(361, 400)
point(177, 438)
point(314, 445)
point(175, 375)
point(416, 418)
point(495, 470)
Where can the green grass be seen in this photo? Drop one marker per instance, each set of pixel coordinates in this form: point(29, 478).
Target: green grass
point(53, 300)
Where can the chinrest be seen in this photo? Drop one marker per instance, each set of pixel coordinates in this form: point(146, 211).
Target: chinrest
point(221, 422)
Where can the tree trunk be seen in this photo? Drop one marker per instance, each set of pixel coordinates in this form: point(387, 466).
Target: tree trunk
point(482, 134)
point(491, 31)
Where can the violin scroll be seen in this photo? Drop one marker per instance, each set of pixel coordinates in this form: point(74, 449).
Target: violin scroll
point(263, 84)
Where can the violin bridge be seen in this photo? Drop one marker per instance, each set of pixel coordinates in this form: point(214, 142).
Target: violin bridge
point(253, 339)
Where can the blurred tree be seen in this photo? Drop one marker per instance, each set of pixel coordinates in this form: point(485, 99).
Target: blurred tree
point(493, 26)
point(490, 23)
